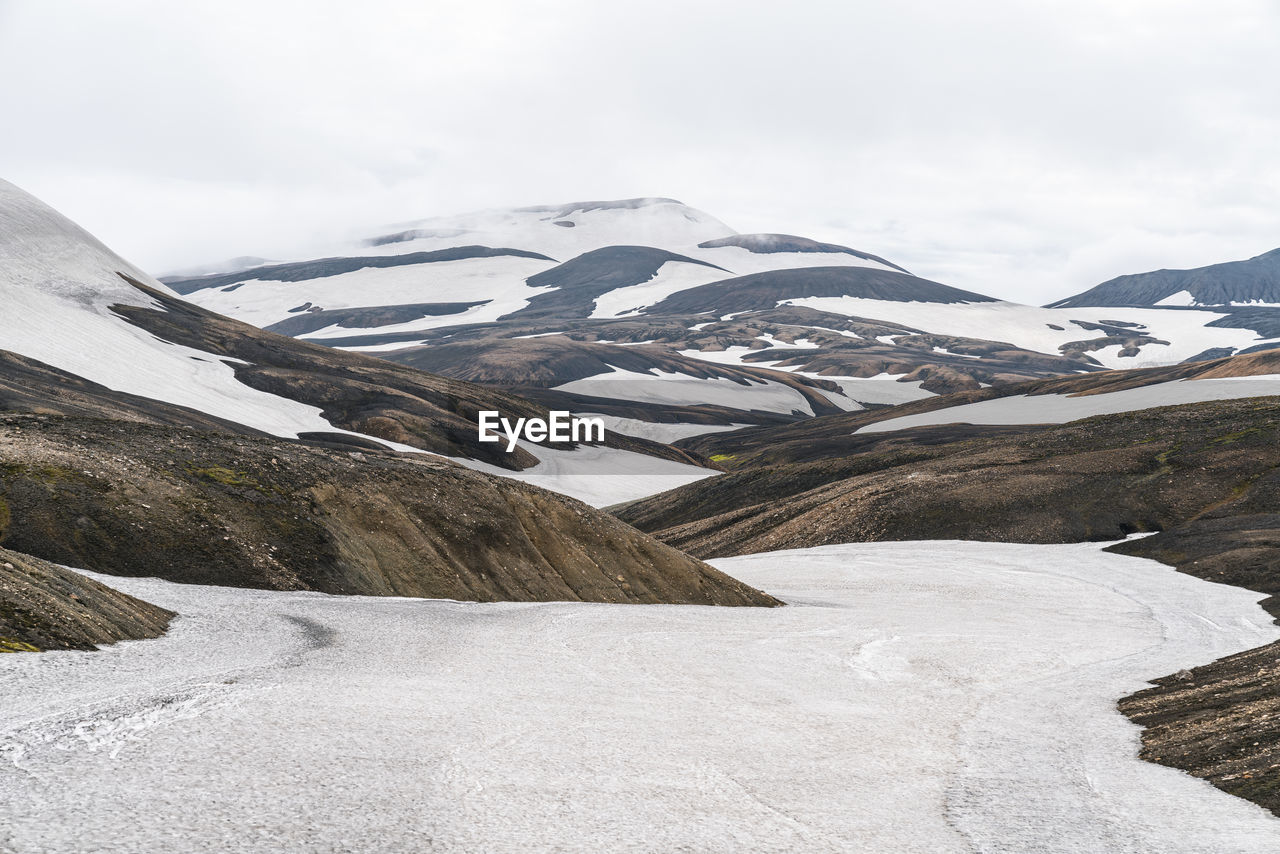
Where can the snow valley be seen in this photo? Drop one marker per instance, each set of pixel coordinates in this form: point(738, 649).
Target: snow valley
point(913, 697)
point(601, 526)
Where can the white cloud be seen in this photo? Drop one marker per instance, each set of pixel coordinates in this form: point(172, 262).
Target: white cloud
point(1024, 150)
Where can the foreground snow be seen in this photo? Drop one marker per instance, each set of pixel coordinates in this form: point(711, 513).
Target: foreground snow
point(915, 697)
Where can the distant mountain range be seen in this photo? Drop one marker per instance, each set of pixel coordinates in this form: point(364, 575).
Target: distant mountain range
point(647, 311)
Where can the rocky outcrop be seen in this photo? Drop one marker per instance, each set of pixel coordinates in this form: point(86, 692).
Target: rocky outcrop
point(43, 606)
point(1220, 722)
point(763, 291)
point(833, 437)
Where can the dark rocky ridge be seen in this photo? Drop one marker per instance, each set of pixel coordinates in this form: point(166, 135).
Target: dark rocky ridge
point(1265, 320)
point(213, 508)
point(759, 291)
point(43, 606)
point(472, 352)
point(551, 361)
point(1100, 479)
point(581, 280)
point(771, 243)
point(356, 392)
point(368, 317)
point(657, 413)
point(28, 386)
point(1256, 279)
point(833, 436)
point(1219, 722)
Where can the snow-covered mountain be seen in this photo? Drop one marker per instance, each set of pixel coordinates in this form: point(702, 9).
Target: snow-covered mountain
point(85, 332)
point(569, 303)
point(1253, 282)
point(60, 287)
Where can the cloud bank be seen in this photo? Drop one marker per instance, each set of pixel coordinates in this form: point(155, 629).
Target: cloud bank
point(1023, 150)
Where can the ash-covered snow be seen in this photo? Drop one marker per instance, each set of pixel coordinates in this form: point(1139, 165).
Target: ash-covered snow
point(914, 697)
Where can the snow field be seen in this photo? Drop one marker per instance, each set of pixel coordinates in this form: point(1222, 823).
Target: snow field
point(1061, 408)
point(1028, 327)
point(500, 279)
point(933, 697)
point(674, 388)
point(598, 475)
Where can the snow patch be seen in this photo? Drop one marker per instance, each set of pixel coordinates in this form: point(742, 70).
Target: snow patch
point(1059, 408)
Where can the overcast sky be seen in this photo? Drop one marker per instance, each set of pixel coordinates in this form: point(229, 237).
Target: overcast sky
point(1024, 149)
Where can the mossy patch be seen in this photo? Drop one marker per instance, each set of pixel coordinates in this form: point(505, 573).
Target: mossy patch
point(1235, 437)
point(719, 458)
point(14, 645)
point(44, 473)
point(1164, 466)
point(227, 477)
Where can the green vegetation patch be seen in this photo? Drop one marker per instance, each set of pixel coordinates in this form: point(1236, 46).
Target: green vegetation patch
point(43, 473)
point(228, 477)
point(719, 458)
point(1235, 437)
point(13, 645)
